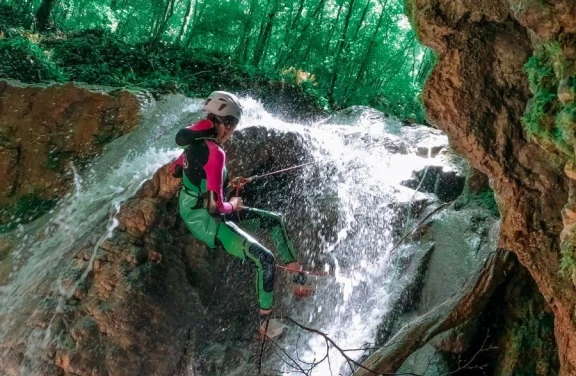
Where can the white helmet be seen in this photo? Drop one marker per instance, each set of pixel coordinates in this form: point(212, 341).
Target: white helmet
point(223, 104)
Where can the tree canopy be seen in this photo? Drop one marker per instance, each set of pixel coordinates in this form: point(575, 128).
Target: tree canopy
point(355, 52)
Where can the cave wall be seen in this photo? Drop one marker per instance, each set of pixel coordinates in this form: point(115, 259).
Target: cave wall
point(514, 124)
point(517, 329)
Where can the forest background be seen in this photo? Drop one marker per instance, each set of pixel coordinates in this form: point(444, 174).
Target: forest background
point(328, 54)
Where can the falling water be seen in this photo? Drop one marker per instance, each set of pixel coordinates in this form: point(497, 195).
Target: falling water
point(370, 158)
point(363, 166)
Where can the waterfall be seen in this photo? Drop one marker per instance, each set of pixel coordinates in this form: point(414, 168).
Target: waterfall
point(357, 183)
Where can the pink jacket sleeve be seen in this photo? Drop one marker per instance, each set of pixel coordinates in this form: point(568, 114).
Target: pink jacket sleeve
point(214, 174)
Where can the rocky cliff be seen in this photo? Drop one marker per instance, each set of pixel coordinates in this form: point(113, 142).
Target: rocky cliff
point(503, 89)
point(42, 130)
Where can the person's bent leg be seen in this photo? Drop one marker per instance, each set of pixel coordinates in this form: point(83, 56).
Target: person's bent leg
point(276, 225)
point(240, 244)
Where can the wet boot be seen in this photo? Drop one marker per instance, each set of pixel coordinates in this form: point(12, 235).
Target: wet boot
point(270, 327)
point(302, 286)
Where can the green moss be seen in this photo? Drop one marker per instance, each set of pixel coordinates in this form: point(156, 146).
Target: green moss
point(25, 210)
point(541, 71)
point(532, 337)
point(566, 122)
point(484, 199)
point(5, 140)
point(13, 21)
point(539, 117)
point(546, 120)
point(568, 261)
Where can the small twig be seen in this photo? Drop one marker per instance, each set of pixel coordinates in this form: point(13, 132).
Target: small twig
point(349, 360)
point(262, 347)
point(329, 364)
point(420, 223)
point(288, 356)
point(467, 365)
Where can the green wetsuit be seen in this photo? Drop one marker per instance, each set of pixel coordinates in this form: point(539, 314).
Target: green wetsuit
point(209, 217)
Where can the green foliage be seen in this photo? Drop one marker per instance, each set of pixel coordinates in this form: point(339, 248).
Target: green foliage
point(360, 52)
point(486, 199)
point(540, 70)
point(530, 338)
point(13, 22)
point(538, 119)
point(26, 61)
point(55, 160)
point(98, 57)
point(539, 116)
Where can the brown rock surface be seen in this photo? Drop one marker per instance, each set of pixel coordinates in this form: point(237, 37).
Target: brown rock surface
point(478, 93)
point(43, 129)
point(153, 298)
point(136, 312)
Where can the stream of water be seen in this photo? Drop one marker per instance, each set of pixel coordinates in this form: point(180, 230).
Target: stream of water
point(368, 162)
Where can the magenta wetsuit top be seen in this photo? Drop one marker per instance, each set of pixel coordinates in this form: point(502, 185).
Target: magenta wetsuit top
point(203, 159)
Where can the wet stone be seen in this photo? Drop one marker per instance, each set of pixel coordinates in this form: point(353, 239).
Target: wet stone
point(447, 183)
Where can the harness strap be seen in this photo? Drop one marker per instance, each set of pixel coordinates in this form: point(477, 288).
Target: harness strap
point(199, 195)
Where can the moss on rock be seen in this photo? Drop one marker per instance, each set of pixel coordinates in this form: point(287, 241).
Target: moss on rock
point(26, 209)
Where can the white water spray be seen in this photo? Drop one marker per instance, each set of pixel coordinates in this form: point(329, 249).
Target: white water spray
point(364, 180)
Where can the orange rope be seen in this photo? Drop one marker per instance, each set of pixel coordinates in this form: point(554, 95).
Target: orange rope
point(319, 274)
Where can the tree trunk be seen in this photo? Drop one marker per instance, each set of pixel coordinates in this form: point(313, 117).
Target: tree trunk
point(164, 22)
point(339, 48)
point(43, 15)
point(242, 51)
point(266, 31)
point(370, 48)
point(185, 22)
point(289, 53)
point(334, 27)
point(362, 19)
point(198, 11)
point(288, 33)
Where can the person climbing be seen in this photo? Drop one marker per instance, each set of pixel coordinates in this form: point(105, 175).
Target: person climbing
point(210, 217)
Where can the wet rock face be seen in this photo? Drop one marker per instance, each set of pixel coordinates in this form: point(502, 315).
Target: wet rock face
point(42, 130)
point(478, 93)
point(154, 299)
point(522, 332)
point(136, 311)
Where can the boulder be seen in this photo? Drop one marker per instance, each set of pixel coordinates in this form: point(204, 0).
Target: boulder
point(45, 129)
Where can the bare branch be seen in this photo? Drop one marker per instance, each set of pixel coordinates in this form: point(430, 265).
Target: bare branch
point(351, 362)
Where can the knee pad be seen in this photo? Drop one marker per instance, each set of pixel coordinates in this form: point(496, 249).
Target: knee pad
point(268, 262)
point(273, 219)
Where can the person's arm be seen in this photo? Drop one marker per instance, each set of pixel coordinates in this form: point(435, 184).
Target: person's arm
point(214, 185)
point(199, 131)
